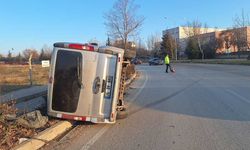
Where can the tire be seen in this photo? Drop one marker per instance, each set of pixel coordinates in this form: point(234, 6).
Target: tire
point(122, 114)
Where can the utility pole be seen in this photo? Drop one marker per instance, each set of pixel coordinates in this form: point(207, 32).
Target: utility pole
point(175, 49)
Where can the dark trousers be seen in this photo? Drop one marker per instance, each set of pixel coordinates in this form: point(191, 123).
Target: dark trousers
point(168, 66)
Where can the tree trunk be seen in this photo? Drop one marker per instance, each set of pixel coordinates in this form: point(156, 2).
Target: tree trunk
point(201, 50)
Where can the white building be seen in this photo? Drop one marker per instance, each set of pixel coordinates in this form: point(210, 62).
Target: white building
point(180, 34)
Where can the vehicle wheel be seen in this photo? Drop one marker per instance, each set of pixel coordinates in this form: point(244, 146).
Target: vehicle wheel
point(122, 114)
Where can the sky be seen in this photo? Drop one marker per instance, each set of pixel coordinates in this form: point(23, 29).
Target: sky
point(35, 23)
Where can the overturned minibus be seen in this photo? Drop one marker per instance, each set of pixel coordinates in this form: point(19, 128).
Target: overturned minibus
point(84, 82)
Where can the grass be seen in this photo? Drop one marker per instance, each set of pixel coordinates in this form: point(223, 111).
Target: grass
point(13, 77)
point(218, 61)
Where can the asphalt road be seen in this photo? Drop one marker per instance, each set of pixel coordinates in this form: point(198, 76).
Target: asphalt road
point(200, 107)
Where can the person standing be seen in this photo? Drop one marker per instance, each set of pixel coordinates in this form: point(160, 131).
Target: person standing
point(167, 62)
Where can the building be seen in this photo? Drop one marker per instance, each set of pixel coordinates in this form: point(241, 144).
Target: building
point(185, 32)
point(227, 41)
point(181, 35)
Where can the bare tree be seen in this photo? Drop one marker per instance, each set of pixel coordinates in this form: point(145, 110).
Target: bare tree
point(9, 55)
point(108, 42)
point(2, 57)
point(152, 41)
point(241, 20)
point(28, 52)
point(194, 30)
point(240, 31)
point(168, 45)
point(122, 22)
point(45, 53)
point(19, 58)
point(141, 50)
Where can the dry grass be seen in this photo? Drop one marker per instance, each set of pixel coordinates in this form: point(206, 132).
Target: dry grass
point(13, 77)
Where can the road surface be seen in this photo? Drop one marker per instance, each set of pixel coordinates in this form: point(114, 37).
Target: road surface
point(199, 107)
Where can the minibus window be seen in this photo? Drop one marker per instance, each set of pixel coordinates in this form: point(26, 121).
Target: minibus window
point(67, 81)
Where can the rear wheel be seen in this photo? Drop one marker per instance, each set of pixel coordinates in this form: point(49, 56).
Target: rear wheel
point(122, 114)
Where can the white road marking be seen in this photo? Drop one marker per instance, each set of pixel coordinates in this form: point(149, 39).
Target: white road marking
point(95, 138)
point(239, 96)
point(140, 90)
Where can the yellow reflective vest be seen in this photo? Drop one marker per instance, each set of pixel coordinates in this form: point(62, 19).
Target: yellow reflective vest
point(167, 60)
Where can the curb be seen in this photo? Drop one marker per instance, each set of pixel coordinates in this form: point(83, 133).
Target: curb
point(45, 136)
point(22, 95)
point(49, 134)
point(27, 98)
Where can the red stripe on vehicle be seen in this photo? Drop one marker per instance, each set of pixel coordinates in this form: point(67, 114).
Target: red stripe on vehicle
point(73, 117)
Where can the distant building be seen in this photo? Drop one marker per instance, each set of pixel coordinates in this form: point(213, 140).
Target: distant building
point(181, 35)
point(226, 40)
point(183, 32)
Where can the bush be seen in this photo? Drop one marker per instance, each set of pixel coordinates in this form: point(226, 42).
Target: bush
point(209, 50)
point(192, 49)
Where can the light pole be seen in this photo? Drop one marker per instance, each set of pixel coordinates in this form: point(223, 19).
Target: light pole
point(175, 49)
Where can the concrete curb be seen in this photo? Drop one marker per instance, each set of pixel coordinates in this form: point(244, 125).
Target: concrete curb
point(45, 136)
point(52, 132)
point(24, 95)
point(27, 98)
